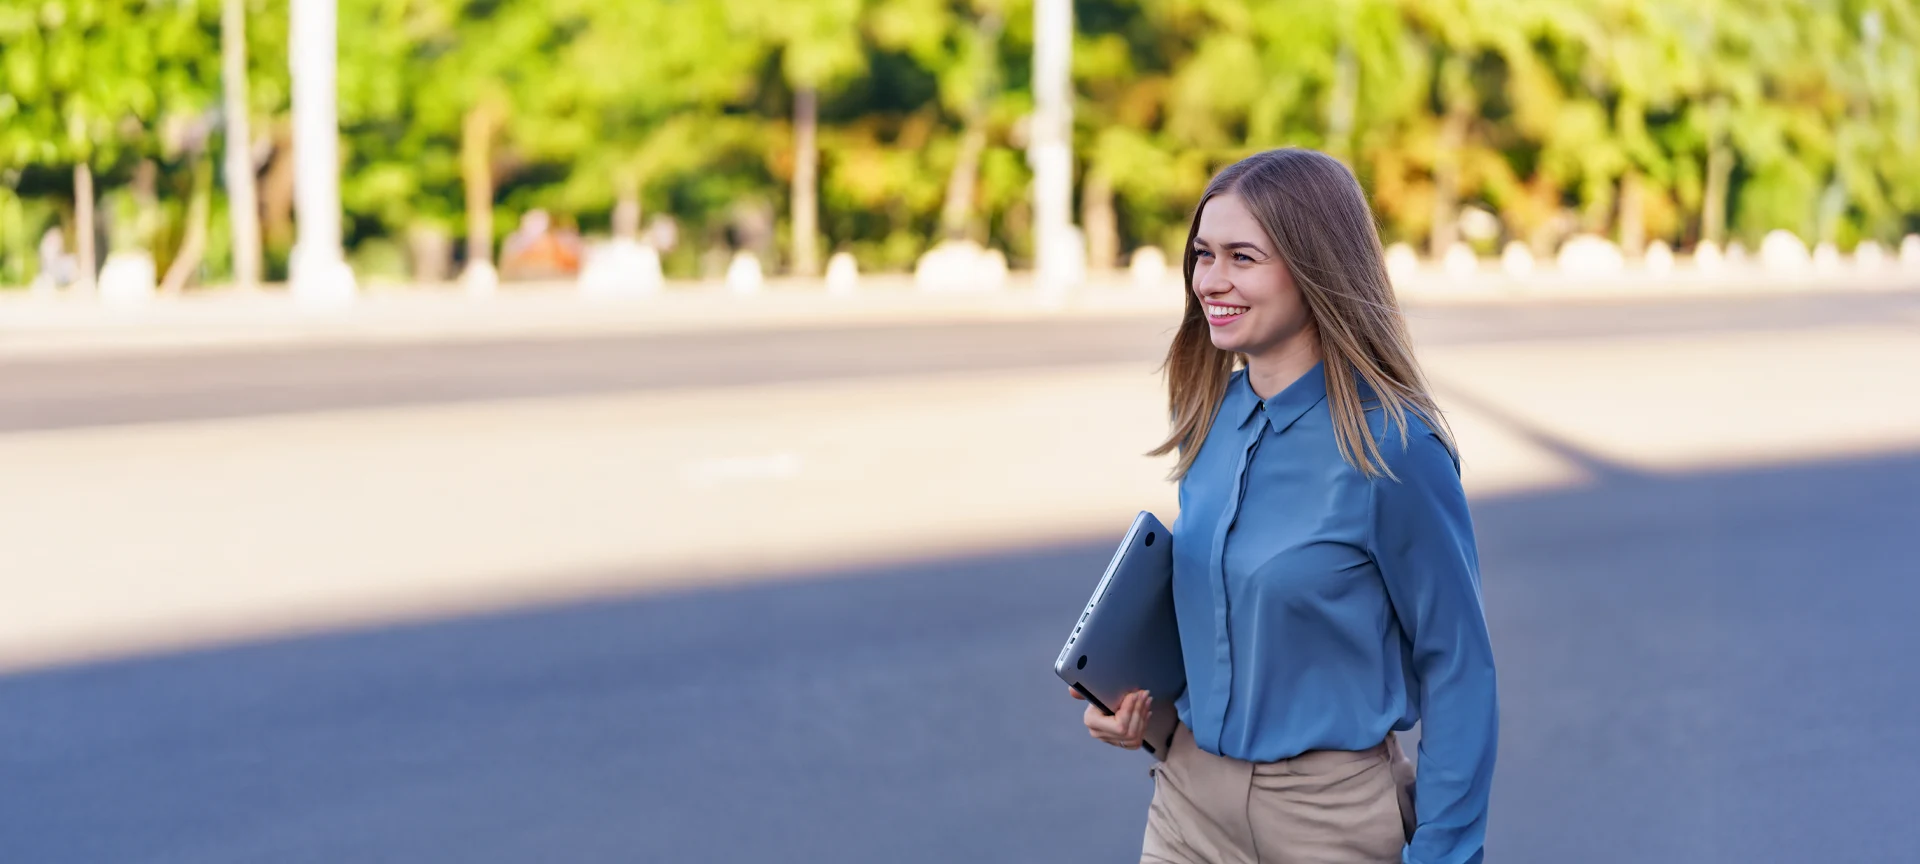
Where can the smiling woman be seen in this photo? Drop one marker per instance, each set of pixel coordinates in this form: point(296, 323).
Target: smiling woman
point(1286, 237)
point(1235, 270)
point(1325, 578)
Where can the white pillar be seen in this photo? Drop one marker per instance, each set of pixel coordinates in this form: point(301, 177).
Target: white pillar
point(1050, 147)
point(317, 271)
point(243, 207)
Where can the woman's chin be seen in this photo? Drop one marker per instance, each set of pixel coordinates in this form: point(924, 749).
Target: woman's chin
point(1225, 342)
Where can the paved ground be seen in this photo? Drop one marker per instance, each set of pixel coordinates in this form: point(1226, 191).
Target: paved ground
point(40, 393)
point(1694, 521)
point(1694, 669)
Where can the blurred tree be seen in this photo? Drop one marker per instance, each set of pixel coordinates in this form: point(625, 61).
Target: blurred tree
point(819, 45)
point(959, 44)
point(1124, 60)
point(439, 95)
point(1878, 171)
point(653, 84)
point(1461, 37)
point(1766, 98)
point(1610, 71)
point(89, 85)
point(893, 122)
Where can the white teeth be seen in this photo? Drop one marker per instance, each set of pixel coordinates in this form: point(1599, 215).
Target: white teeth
point(1224, 311)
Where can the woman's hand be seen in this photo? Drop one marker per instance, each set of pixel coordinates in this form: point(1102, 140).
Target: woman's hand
point(1128, 723)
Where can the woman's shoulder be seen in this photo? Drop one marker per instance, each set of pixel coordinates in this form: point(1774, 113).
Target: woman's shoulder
point(1415, 448)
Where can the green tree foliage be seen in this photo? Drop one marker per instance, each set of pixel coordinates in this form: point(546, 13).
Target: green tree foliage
point(884, 126)
point(118, 90)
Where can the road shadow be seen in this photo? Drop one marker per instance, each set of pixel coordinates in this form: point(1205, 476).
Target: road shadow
point(1695, 667)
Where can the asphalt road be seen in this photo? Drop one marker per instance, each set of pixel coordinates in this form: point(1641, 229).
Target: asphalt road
point(57, 394)
point(1695, 667)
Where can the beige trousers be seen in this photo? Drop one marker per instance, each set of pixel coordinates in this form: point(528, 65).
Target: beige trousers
point(1323, 807)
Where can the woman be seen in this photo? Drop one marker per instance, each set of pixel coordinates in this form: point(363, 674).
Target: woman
point(1325, 578)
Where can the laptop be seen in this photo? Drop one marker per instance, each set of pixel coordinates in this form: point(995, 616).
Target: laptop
point(1126, 638)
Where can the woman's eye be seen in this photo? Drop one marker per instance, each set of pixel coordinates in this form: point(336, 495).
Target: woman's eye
point(1242, 257)
point(1202, 253)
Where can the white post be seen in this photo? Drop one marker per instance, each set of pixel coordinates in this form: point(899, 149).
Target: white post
point(317, 271)
point(1050, 148)
point(244, 206)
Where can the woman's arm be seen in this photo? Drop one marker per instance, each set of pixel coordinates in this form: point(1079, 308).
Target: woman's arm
point(1423, 545)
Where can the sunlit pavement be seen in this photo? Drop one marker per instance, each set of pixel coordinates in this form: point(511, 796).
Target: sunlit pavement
point(772, 594)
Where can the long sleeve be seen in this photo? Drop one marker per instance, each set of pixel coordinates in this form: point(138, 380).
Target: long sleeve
point(1424, 548)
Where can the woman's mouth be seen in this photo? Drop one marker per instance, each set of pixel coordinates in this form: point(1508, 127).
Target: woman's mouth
point(1219, 313)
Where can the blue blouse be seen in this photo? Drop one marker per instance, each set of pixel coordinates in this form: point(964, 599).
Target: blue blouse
point(1321, 609)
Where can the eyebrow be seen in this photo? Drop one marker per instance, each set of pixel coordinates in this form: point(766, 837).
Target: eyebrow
point(1238, 244)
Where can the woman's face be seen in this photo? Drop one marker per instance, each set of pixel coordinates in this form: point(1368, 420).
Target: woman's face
point(1249, 298)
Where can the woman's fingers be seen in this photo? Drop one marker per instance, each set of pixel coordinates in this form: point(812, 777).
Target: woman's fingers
point(1112, 730)
point(1132, 713)
point(1126, 726)
point(1103, 725)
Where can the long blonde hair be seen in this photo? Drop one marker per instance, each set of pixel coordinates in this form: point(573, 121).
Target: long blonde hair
point(1313, 210)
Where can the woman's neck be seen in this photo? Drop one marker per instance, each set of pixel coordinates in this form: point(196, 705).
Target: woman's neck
point(1272, 370)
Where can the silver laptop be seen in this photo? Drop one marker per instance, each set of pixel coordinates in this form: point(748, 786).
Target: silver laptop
point(1126, 639)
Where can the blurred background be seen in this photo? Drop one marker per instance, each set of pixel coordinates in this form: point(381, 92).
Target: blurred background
point(684, 430)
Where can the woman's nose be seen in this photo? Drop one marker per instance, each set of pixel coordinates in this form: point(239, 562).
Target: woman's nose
point(1206, 280)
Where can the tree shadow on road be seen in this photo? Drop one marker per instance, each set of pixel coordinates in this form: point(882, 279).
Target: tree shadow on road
point(1696, 667)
